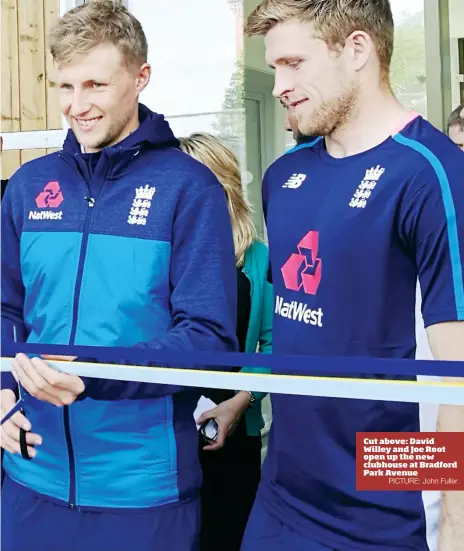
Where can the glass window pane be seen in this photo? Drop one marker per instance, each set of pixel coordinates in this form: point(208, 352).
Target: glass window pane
point(408, 70)
point(195, 50)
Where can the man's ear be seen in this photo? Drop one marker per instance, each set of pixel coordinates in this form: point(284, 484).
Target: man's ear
point(359, 45)
point(143, 77)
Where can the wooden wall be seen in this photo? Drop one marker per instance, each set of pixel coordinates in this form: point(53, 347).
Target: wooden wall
point(29, 97)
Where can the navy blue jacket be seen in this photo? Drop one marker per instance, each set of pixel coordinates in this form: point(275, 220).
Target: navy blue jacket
point(132, 247)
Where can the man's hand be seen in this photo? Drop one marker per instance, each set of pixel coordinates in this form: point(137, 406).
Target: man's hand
point(227, 415)
point(45, 383)
point(9, 431)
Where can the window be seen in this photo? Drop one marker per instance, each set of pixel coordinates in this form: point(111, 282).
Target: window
point(408, 69)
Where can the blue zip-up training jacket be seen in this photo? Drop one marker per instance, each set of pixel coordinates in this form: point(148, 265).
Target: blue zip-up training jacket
point(131, 247)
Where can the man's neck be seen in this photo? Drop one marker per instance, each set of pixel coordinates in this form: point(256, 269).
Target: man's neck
point(377, 116)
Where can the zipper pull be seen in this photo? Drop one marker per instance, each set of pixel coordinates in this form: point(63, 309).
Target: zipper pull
point(90, 201)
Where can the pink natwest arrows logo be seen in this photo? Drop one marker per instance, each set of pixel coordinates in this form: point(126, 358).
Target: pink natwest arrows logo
point(51, 196)
point(305, 268)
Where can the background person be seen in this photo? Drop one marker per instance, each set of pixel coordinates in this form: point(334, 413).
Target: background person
point(456, 126)
point(232, 468)
point(291, 125)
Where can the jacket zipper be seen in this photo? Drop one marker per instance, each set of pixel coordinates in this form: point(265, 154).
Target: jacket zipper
point(80, 266)
point(77, 290)
point(72, 464)
point(67, 428)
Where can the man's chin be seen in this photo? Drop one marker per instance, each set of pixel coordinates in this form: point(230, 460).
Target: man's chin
point(89, 146)
point(312, 127)
point(311, 130)
point(308, 126)
point(88, 140)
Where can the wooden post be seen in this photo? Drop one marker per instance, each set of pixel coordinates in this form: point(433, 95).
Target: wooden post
point(32, 64)
point(10, 109)
point(10, 162)
point(54, 122)
point(30, 154)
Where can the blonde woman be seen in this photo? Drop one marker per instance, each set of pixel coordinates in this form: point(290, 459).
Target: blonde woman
point(232, 469)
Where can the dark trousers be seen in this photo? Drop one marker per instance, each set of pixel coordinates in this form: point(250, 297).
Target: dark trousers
point(269, 533)
point(230, 480)
point(30, 523)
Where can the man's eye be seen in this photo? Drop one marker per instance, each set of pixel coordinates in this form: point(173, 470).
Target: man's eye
point(65, 87)
point(294, 64)
point(98, 84)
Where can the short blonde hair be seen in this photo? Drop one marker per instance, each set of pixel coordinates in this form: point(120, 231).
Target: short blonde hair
point(333, 20)
point(98, 22)
point(223, 162)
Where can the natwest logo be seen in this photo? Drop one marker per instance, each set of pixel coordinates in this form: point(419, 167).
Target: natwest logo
point(298, 311)
point(50, 197)
point(304, 269)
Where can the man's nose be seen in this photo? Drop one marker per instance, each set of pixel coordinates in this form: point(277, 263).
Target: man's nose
point(283, 83)
point(80, 104)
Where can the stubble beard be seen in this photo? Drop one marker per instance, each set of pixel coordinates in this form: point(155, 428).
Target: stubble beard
point(331, 115)
point(113, 135)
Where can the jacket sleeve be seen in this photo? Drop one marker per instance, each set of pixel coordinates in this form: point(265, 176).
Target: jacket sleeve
point(265, 332)
point(203, 290)
point(13, 293)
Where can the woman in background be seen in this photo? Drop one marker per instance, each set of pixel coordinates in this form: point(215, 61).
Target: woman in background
point(232, 468)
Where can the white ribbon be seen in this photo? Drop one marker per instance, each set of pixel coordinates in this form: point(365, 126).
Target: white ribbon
point(423, 391)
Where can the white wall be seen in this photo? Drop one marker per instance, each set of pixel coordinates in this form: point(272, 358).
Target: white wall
point(255, 59)
point(456, 8)
point(189, 76)
point(254, 47)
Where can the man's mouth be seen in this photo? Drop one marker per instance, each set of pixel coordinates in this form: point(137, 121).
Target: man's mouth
point(87, 124)
point(294, 104)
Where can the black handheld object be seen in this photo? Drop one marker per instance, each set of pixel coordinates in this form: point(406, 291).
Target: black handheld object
point(22, 432)
point(22, 440)
point(209, 430)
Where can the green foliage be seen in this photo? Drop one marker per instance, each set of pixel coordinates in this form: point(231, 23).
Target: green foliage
point(230, 124)
point(407, 74)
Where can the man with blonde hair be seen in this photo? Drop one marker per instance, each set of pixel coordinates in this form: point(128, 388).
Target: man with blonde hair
point(354, 218)
point(118, 240)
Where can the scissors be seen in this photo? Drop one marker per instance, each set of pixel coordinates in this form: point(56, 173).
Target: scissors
point(19, 406)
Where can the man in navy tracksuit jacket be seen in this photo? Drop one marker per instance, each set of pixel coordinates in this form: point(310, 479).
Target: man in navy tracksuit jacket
point(129, 245)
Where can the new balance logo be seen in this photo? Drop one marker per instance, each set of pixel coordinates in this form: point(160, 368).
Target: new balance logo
point(295, 181)
point(305, 268)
